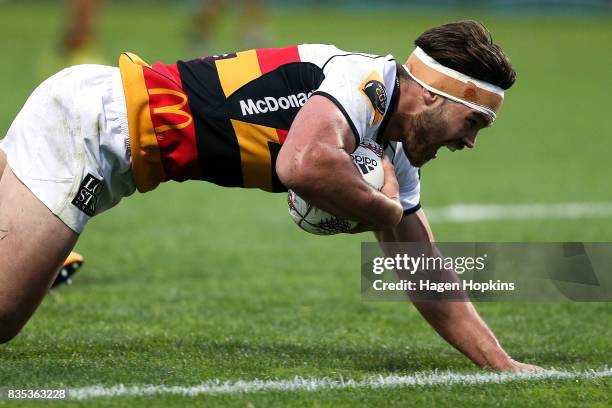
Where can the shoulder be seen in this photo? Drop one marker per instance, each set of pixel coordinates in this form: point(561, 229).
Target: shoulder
point(371, 77)
point(329, 58)
point(360, 84)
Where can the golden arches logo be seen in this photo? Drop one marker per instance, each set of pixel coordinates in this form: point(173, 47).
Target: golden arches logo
point(174, 109)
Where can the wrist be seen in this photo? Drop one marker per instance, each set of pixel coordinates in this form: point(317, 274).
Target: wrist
point(497, 359)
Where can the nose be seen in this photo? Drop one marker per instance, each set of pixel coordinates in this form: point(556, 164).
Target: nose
point(469, 141)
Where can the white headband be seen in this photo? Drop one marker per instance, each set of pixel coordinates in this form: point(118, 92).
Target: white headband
point(454, 85)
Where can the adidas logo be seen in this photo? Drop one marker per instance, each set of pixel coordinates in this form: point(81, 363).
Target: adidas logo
point(365, 164)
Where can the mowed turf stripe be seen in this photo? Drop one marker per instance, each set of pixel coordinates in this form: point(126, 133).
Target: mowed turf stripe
point(217, 387)
point(502, 212)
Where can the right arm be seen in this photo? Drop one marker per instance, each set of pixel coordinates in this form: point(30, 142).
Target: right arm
point(457, 321)
point(315, 163)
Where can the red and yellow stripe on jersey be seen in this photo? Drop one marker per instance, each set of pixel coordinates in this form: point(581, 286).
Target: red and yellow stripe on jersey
point(253, 139)
point(162, 134)
point(220, 118)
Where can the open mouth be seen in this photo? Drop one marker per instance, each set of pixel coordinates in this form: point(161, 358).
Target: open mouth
point(452, 146)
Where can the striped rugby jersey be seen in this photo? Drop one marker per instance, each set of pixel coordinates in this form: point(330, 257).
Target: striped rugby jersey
point(223, 118)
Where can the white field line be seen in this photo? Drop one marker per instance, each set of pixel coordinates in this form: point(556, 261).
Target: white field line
point(217, 387)
point(492, 212)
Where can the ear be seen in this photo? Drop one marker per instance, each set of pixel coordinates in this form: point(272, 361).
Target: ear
point(429, 97)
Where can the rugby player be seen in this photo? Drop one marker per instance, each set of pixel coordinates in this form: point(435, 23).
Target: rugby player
point(266, 118)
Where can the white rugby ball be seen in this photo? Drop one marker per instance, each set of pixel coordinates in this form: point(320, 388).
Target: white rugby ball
point(368, 160)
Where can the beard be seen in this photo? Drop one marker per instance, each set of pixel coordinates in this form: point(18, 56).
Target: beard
point(426, 130)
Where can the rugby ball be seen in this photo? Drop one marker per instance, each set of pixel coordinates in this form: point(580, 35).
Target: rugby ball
point(368, 160)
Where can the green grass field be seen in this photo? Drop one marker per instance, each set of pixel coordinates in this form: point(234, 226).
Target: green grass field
point(193, 283)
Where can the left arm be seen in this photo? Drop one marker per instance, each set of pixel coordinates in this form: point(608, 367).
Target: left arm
point(457, 322)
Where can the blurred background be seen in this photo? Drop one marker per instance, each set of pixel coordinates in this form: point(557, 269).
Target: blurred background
point(551, 143)
point(194, 281)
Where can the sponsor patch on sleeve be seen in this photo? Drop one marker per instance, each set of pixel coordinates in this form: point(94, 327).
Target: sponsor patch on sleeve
point(374, 90)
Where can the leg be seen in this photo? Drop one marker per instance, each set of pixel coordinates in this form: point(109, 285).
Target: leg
point(2, 162)
point(74, 260)
point(33, 245)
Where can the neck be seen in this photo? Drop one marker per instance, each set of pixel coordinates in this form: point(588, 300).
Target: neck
point(406, 104)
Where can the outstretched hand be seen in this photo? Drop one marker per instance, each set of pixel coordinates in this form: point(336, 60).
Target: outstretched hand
point(518, 367)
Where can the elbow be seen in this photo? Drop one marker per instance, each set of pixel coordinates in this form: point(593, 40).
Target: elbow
point(302, 173)
point(292, 176)
point(287, 169)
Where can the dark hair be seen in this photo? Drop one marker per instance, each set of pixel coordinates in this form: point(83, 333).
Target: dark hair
point(467, 47)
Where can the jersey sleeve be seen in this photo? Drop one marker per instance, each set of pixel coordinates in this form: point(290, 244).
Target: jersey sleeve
point(361, 86)
point(408, 178)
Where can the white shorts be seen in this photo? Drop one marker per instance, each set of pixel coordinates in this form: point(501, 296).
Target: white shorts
point(69, 144)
